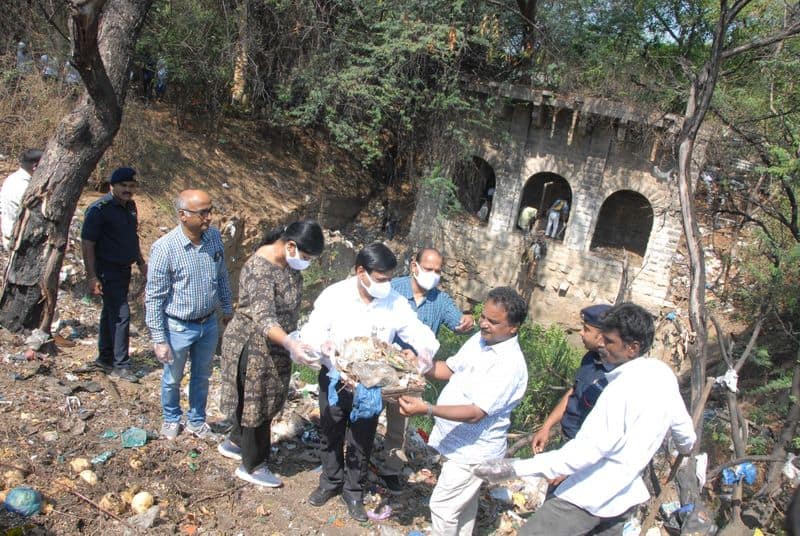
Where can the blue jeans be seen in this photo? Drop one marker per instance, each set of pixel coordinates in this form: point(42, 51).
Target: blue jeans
point(196, 342)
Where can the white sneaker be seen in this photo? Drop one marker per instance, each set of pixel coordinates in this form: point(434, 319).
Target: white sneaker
point(261, 476)
point(229, 449)
point(202, 431)
point(170, 430)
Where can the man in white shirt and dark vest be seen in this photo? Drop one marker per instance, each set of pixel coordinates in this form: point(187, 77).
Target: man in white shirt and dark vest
point(604, 462)
point(486, 380)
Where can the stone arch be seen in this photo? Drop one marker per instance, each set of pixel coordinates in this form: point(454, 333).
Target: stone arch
point(475, 181)
point(540, 192)
point(625, 221)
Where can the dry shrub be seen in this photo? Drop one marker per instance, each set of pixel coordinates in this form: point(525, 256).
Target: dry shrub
point(30, 109)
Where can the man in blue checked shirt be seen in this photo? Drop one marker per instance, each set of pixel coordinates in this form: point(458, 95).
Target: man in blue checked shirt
point(186, 282)
point(434, 307)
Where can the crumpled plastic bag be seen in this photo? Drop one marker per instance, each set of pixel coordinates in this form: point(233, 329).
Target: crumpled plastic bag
point(367, 402)
point(374, 374)
point(746, 471)
point(495, 470)
point(24, 501)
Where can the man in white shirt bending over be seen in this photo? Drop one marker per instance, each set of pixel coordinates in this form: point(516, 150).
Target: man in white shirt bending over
point(14, 190)
point(486, 380)
point(604, 462)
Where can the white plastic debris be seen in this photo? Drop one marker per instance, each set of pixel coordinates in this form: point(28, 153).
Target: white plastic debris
point(790, 471)
point(729, 380)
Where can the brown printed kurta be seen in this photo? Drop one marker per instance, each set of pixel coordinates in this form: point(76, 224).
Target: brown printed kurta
point(268, 295)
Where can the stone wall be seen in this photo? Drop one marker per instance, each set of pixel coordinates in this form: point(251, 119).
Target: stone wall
point(597, 156)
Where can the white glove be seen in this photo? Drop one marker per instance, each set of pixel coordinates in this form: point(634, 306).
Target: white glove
point(424, 363)
point(300, 353)
point(495, 470)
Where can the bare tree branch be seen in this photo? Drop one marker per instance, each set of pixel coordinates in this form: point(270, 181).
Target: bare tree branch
point(760, 43)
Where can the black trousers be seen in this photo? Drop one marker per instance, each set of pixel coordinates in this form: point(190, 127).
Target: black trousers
point(254, 442)
point(343, 469)
point(115, 318)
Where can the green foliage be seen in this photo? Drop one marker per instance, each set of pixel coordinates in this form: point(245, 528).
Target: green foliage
point(552, 364)
point(196, 41)
point(440, 187)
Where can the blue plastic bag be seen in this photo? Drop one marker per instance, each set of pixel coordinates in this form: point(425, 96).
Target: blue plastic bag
point(367, 402)
point(746, 471)
point(24, 501)
point(333, 395)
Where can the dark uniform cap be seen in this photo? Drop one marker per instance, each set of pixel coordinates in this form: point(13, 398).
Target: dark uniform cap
point(593, 314)
point(122, 174)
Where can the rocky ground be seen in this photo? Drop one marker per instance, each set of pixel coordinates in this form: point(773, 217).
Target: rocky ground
point(53, 416)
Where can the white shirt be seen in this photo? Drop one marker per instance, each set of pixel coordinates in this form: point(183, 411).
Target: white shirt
point(619, 437)
point(494, 378)
point(10, 200)
point(340, 314)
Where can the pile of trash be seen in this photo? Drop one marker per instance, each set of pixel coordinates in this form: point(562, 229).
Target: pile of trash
point(372, 363)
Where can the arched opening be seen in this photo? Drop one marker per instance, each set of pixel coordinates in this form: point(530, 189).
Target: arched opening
point(542, 192)
point(475, 183)
point(624, 222)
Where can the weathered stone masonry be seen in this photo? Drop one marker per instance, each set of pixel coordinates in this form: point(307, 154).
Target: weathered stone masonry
point(599, 148)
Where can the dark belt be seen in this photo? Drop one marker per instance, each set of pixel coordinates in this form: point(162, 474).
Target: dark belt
point(200, 320)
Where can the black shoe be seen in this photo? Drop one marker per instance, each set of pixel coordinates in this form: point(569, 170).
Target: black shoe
point(320, 496)
point(94, 366)
point(393, 483)
point(124, 374)
point(355, 508)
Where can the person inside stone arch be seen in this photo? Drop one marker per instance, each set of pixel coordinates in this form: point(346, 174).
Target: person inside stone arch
point(556, 217)
point(527, 219)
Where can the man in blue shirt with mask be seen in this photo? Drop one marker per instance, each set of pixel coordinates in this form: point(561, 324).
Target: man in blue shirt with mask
point(434, 307)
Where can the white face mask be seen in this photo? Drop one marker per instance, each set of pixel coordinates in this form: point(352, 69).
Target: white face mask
point(377, 290)
point(425, 279)
point(296, 263)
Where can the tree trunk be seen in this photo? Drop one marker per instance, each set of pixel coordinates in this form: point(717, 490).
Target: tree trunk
point(102, 47)
point(774, 475)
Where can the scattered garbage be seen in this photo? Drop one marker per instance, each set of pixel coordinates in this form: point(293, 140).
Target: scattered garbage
point(746, 471)
point(113, 503)
point(310, 437)
point(669, 507)
point(103, 457)
point(89, 477)
point(146, 519)
point(381, 513)
point(37, 339)
point(141, 502)
point(24, 501)
point(502, 494)
point(790, 470)
point(80, 464)
point(671, 316)
point(632, 527)
point(13, 478)
point(134, 437)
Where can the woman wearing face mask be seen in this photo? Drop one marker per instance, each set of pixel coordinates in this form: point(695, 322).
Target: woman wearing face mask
point(361, 306)
point(256, 366)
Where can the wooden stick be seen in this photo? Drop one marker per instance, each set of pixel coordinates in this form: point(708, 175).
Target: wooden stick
point(106, 512)
point(216, 495)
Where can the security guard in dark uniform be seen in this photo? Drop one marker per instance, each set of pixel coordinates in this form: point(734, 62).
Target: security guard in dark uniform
point(110, 246)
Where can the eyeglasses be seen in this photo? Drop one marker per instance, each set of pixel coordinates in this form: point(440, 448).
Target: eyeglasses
point(204, 213)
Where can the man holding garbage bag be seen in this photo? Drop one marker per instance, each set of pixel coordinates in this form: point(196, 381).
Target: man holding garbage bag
point(361, 306)
point(604, 462)
point(486, 380)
